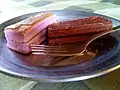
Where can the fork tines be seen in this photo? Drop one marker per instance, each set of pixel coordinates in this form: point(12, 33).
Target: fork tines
point(48, 50)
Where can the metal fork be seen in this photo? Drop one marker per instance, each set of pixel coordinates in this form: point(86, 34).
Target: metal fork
point(68, 49)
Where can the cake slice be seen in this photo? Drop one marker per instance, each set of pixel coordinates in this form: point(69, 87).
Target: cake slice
point(77, 30)
point(32, 30)
point(79, 26)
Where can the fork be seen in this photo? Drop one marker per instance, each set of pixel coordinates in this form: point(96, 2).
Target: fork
point(68, 49)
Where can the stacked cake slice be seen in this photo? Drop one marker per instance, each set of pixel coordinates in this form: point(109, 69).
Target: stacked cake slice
point(32, 30)
point(77, 30)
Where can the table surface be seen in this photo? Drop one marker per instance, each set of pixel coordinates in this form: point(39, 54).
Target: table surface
point(110, 8)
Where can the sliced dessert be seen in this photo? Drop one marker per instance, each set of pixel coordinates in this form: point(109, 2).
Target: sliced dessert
point(77, 30)
point(19, 36)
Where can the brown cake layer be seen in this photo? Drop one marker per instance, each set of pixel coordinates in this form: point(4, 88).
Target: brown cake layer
point(68, 39)
point(80, 26)
point(71, 39)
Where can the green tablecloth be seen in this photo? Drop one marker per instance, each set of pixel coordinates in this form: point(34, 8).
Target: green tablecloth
point(111, 8)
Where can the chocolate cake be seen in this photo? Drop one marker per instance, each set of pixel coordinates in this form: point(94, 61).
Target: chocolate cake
point(77, 30)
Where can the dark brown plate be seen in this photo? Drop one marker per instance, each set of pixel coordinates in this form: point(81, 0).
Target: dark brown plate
point(62, 69)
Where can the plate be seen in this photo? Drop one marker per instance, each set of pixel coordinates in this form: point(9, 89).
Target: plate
point(62, 69)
